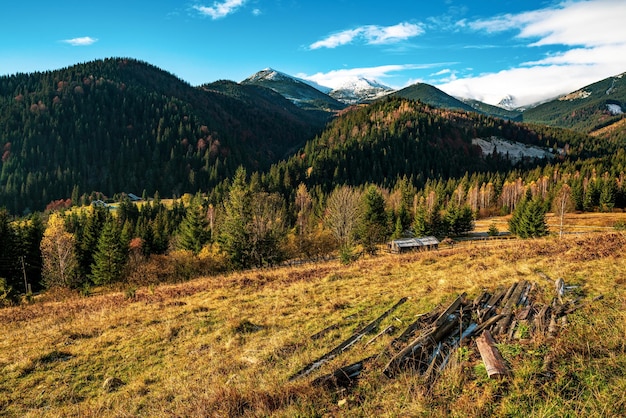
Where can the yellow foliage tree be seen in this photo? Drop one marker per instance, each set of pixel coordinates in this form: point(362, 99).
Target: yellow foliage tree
point(59, 255)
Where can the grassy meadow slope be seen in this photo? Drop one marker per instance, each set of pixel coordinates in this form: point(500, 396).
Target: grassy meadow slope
point(225, 346)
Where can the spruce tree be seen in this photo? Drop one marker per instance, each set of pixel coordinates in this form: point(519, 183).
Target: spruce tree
point(420, 223)
point(109, 259)
point(373, 226)
point(529, 218)
point(533, 220)
point(193, 233)
point(234, 236)
point(87, 239)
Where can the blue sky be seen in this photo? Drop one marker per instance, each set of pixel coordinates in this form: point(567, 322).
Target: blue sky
point(484, 49)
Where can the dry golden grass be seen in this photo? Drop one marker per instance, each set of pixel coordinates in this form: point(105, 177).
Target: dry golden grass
point(573, 222)
point(225, 346)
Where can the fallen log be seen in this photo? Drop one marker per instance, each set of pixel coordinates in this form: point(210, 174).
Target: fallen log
point(494, 363)
point(345, 344)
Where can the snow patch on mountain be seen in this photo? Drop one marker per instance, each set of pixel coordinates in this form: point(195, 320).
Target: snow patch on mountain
point(515, 150)
point(614, 109)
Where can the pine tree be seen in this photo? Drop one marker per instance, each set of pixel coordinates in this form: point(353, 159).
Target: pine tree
point(266, 228)
point(420, 223)
point(458, 220)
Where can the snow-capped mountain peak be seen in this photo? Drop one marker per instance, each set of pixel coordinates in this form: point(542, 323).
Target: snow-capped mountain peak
point(359, 89)
point(508, 102)
point(268, 74)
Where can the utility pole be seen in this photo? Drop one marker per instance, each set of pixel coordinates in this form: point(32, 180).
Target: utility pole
point(24, 271)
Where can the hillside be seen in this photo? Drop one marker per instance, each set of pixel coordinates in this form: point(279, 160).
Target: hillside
point(595, 107)
point(122, 125)
point(432, 96)
point(397, 137)
point(226, 345)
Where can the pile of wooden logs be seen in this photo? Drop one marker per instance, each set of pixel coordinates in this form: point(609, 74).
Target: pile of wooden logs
point(427, 344)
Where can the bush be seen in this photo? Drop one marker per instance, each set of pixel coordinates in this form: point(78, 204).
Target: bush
point(8, 296)
point(493, 230)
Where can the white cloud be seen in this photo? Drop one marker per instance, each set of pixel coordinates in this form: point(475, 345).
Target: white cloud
point(336, 78)
point(527, 85)
point(220, 10)
point(84, 41)
point(337, 39)
point(588, 33)
point(442, 72)
point(391, 34)
point(371, 35)
point(587, 23)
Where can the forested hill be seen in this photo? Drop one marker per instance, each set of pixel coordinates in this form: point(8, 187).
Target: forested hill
point(120, 125)
point(597, 109)
point(398, 137)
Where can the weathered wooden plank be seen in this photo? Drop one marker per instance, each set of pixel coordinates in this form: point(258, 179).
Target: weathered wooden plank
point(345, 344)
point(516, 295)
point(421, 321)
point(414, 351)
point(451, 309)
point(494, 363)
point(524, 300)
point(540, 321)
point(505, 300)
point(559, 285)
point(485, 325)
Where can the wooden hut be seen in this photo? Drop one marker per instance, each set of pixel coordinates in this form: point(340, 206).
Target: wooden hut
point(413, 244)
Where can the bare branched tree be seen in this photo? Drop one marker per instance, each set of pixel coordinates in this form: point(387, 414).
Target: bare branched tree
point(343, 211)
point(562, 204)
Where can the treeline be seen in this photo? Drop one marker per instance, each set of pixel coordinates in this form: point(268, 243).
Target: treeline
point(245, 224)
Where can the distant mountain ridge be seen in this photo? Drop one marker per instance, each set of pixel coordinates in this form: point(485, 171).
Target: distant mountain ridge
point(297, 91)
point(358, 90)
point(595, 108)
